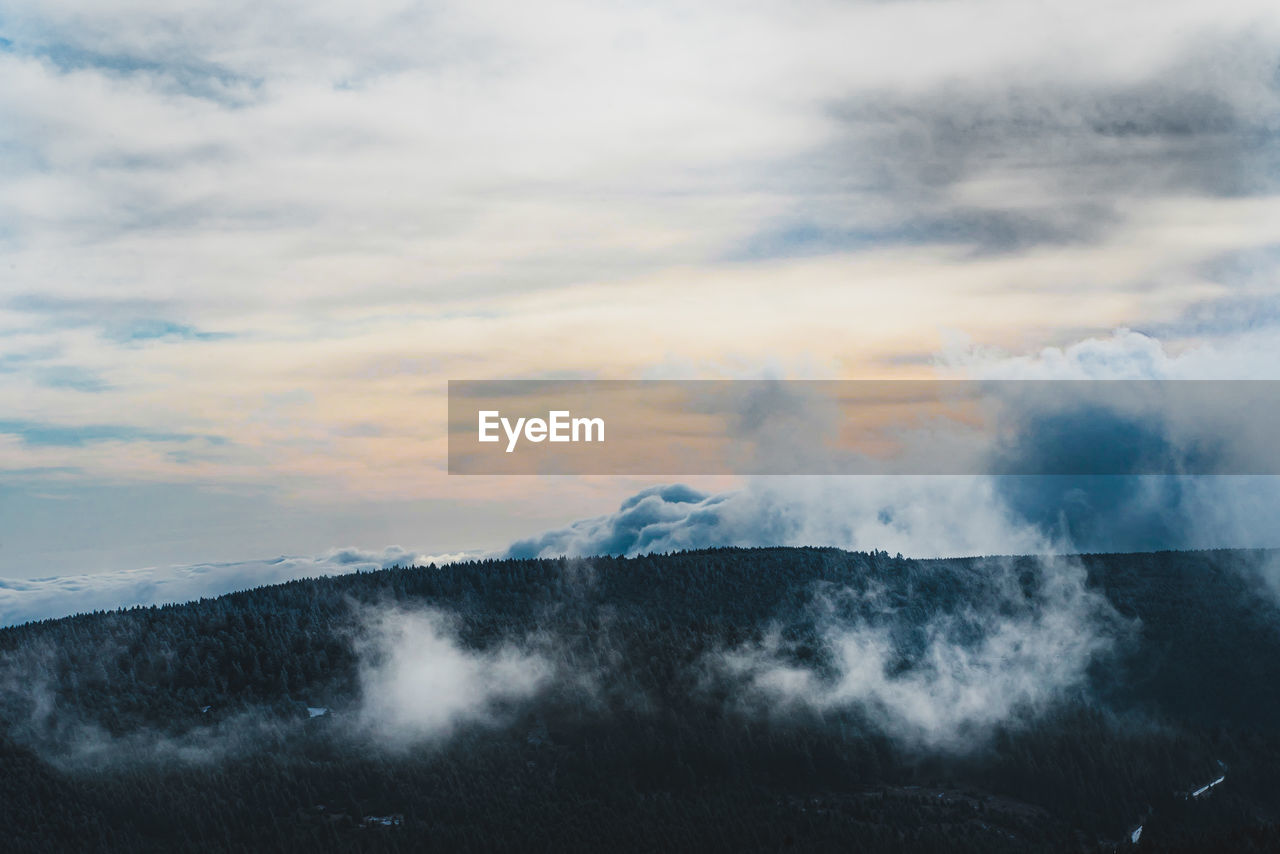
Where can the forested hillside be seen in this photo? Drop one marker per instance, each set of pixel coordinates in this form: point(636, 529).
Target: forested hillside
point(736, 699)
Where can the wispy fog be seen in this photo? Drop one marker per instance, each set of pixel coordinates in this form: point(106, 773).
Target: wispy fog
point(943, 683)
point(39, 715)
point(418, 681)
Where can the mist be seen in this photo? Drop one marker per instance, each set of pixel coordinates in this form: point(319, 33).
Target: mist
point(1017, 644)
point(418, 681)
point(37, 703)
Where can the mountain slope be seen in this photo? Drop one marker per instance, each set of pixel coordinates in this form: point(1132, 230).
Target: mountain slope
point(735, 699)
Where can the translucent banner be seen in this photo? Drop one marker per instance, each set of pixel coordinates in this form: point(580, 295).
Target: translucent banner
point(953, 427)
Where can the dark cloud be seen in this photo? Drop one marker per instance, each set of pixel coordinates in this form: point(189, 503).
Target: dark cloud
point(1095, 439)
point(985, 230)
point(1005, 163)
point(1113, 479)
point(1105, 513)
point(1170, 133)
point(1123, 511)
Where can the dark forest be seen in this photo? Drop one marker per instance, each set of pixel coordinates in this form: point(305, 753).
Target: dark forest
point(709, 700)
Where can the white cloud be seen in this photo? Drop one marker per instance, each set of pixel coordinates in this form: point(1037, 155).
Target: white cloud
point(22, 600)
point(1124, 355)
point(1001, 661)
point(418, 681)
point(918, 516)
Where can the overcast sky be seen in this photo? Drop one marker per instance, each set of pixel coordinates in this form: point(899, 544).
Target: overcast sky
point(244, 245)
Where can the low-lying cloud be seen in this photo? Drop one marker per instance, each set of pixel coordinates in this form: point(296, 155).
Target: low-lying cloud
point(1003, 657)
point(418, 681)
point(36, 712)
point(24, 600)
point(919, 516)
point(936, 516)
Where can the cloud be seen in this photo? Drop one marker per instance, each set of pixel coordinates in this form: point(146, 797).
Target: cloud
point(418, 681)
point(1051, 428)
point(1124, 355)
point(23, 600)
point(941, 516)
point(1000, 657)
point(1004, 164)
point(919, 516)
point(1124, 512)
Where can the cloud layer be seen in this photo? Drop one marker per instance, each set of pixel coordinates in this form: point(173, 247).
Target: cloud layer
point(23, 600)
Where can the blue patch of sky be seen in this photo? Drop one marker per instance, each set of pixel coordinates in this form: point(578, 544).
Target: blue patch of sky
point(42, 434)
point(52, 376)
point(156, 329)
point(801, 239)
point(10, 362)
point(71, 377)
point(114, 319)
point(806, 239)
point(37, 472)
point(192, 77)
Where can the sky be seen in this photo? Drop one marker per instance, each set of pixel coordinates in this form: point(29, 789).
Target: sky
point(244, 246)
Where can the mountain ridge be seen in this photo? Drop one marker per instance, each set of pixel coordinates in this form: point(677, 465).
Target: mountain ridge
point(1043, 703)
